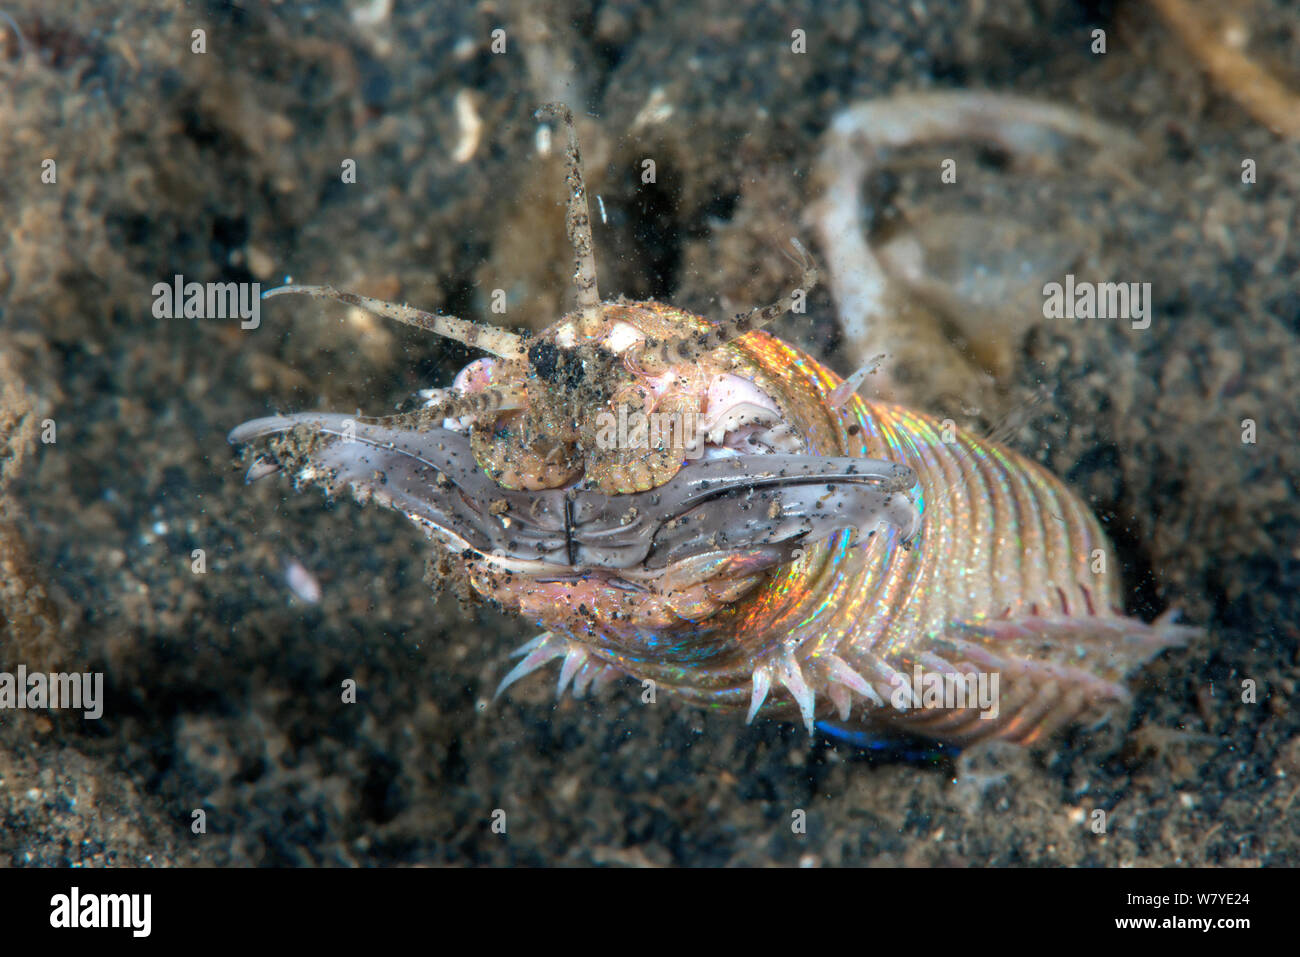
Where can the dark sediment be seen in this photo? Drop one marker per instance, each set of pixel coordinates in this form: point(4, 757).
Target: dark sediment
point(224, 690)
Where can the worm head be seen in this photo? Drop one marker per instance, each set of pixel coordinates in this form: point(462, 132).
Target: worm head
point(577, 412)
point(622, 561)
point(587, 407)
point(632, 466)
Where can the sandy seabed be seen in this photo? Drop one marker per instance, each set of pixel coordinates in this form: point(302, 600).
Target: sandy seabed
point(222, 689)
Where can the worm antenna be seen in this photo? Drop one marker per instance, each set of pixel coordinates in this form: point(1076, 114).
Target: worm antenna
point(456, 405)
point(578, 222)
point(499, 342)
point(658, 356)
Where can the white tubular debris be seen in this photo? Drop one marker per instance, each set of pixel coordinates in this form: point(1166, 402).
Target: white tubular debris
point(860, 134)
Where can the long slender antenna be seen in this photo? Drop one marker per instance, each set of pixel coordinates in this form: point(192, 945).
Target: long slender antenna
point(578, 222)
point(499, 342)
point(655, 357)
point(455, 405)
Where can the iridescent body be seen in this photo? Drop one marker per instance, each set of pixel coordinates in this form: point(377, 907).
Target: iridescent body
point(1011, 574)
point(782, 572)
